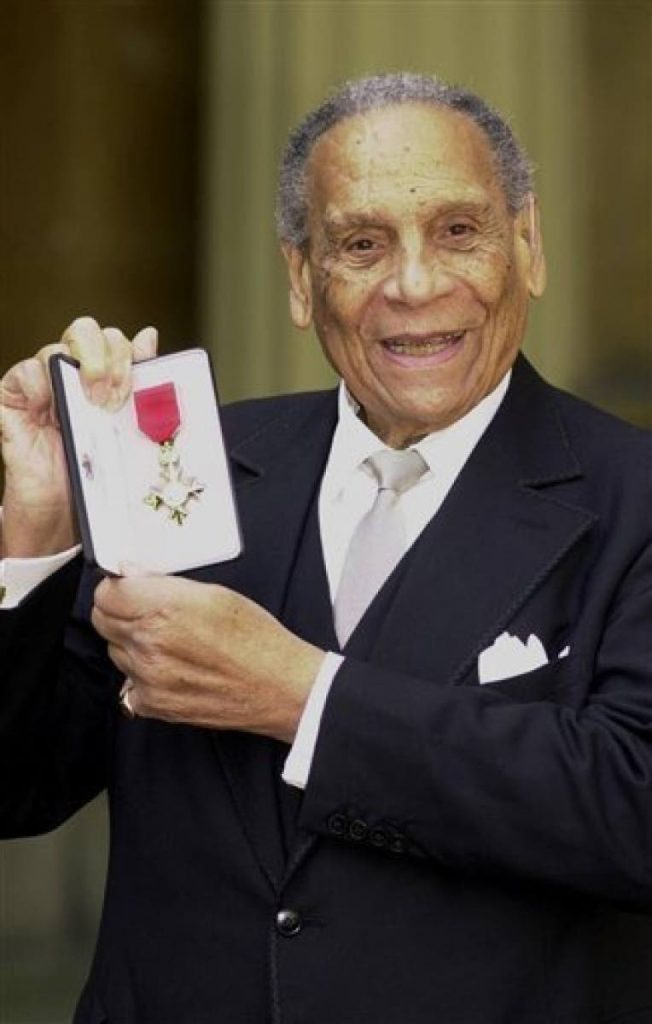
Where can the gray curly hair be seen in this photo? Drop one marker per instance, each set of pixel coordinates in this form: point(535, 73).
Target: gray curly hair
point(359, 95)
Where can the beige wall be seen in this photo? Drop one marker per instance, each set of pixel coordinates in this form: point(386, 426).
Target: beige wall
point(617, 180)
point(98, 104)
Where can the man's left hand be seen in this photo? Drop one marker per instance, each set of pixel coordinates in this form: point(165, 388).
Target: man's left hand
point(204, 655)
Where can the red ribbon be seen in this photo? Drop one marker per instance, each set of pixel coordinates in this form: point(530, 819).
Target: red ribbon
point(157, 412)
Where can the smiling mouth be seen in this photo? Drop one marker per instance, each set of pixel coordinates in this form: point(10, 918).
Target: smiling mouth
point(423, 345)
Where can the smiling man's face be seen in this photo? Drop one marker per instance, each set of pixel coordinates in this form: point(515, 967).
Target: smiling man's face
point(416, 275)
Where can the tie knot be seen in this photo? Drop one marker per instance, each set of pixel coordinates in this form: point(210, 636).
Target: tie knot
point(397, 471)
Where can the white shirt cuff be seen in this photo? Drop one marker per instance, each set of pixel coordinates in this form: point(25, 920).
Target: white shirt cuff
point(298, 762)
point(22, 575)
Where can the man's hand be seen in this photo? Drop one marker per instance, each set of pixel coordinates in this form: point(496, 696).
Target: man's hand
point(37, 515)
point(204, 655)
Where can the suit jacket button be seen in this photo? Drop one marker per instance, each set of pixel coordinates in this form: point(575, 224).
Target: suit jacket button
point(337, 824)
point(288, 922)
point(378, 838)
point(358, 830)
point(397, 844)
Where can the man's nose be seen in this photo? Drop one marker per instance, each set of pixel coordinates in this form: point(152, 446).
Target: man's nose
point(417, 277)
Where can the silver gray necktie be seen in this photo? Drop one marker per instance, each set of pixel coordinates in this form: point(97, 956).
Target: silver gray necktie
point(379, 541)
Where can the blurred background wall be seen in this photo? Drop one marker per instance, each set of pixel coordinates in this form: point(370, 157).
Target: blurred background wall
point(138, 150)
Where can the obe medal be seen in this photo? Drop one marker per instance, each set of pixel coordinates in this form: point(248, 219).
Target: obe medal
point(159, 418)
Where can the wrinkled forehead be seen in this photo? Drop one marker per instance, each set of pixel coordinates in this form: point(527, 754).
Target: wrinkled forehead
point(399, 151)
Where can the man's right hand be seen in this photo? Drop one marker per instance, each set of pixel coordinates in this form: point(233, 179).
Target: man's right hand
point(37, 511)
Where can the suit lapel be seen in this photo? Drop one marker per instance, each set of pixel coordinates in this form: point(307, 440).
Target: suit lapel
point(501, 531)
point(276, 472)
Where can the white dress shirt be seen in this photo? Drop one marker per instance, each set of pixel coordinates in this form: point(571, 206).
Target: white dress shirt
point(348, 490)
point(19, 576)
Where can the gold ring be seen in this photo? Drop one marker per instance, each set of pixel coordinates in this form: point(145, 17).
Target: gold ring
point(124, 702)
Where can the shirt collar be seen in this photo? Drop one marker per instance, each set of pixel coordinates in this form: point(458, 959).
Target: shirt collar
point(444, 451)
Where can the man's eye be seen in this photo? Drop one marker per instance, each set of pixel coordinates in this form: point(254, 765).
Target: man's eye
point(460, 229)
point(361, 245)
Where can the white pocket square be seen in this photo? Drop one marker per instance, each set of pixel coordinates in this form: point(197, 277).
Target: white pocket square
point(508, 656)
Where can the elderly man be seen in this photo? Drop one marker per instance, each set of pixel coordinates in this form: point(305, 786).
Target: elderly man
point(394, 764)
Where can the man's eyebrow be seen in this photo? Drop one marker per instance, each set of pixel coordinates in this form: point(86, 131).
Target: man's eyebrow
point(465, 205)
point(335, 221)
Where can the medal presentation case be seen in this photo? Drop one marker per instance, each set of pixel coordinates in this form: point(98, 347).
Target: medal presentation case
point(150, 481)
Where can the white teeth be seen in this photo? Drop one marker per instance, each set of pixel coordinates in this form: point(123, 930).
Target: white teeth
point(426, 348)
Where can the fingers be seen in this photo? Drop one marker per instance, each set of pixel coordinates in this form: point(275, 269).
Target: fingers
point(119, 657)
point(112, 601)
point(104, 360)
point(86, 343)
point(119, 357)
point(134, 596)
point(112, 628)
point(105, 356)
point(145, 344)
point(26, 387)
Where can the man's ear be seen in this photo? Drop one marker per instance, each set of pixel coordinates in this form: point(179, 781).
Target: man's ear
point(528, 224)
point(300, 280)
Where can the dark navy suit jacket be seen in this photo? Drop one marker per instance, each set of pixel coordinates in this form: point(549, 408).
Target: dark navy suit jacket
point(463, 853)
